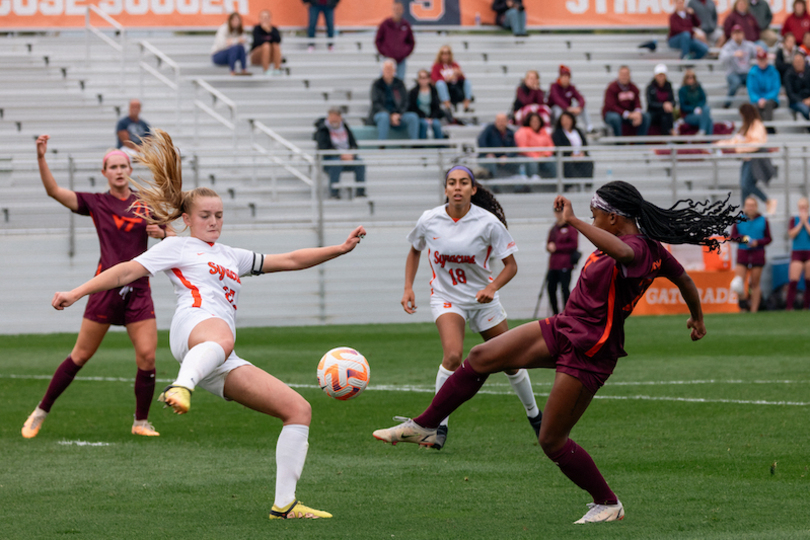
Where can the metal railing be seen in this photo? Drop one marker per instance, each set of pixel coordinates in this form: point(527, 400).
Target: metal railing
point(216, 96)
point(119, 46)
point(147, 50)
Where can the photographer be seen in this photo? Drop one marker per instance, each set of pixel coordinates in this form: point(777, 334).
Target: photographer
point(511, 14)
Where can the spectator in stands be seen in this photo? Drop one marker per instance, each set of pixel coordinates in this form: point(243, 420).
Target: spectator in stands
point(694, 109)
point(736, 55)
point(685, 33)
point(762, 13)
point(622, 105)
point(395, 39)
point(389, 104)
point(751, 235)
point(742, 18)
point(799, 234)
point(316, 7)
point(530, 98)
point(798, 22)
point(498, 135)
point(266, 48)
point(763, 84)
point(564, 96)
point(785, 53)
point(797, 85)
point(449, 80)
point(511, 14)
point(229, 45)
point(804, 47)
point(533, 134)
point(423, 99)
point(706, 11)
point(566, 133)
point(132, 128)
point(661, 101)
point(332, 133)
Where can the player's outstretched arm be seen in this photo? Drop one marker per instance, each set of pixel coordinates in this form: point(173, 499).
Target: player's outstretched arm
point(309, 257)
point(411, 267)
point(64, 196)
point(692, 298)
point(602, 239)
point(119, 275)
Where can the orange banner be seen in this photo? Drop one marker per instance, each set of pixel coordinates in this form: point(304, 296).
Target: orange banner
point(664, 298)
point(33, 14)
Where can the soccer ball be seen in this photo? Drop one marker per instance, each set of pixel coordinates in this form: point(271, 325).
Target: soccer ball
point(343, 373)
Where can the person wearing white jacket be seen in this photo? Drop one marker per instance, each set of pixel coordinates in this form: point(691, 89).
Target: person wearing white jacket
point(229, 45)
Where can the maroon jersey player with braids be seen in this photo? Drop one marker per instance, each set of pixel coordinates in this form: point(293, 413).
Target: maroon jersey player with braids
point(122, 235)
point(583, 343)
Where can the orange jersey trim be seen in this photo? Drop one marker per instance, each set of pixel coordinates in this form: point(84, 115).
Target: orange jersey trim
point(486, 259)
point(195, 292)
point(609, 325)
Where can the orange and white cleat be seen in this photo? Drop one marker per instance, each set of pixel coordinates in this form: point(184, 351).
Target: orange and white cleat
point(31, 426)
point(296, 510)
point(599, 513)
point(145, 428)
point(176, 397)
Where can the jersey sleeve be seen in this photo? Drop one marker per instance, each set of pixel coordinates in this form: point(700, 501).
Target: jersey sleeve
point(502, 242)
point(161, 256)
point(85, 203)
point(417, 236)
point(642, 257)
point(245, 260)
point(670, 267)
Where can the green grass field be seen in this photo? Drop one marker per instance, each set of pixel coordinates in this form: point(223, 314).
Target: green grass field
point(704, 440)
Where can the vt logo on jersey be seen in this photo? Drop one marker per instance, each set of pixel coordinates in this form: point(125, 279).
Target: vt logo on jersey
point(441, 260)
point(223, 272)
point(126, 222)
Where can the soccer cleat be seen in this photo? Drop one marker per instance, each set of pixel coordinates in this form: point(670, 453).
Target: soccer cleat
point(33, 423)
point(407, 431)
point(603, 512)
point(296, 510)
point(535, 422)
point(176, 397)
point(441, 437)
point(145, 428)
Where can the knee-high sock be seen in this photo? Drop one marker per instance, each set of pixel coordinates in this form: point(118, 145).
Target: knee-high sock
point(522, 386)
point(61, 379)
point(441, 376)
point(144, 392)
point(463, 384)
point(577, 465)
point(200, 361)
point(291, 453)
point(806, 302)
point(791, 295)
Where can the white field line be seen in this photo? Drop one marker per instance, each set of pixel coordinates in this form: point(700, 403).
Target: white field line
point(84, 443)
point(430, 389)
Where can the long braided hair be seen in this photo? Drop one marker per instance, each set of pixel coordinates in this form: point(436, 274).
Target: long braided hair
point(482, 197)
point(685, 222)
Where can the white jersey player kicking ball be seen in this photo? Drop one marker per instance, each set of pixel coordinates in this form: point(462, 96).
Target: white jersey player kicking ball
point(206, 277)
point(460, 237)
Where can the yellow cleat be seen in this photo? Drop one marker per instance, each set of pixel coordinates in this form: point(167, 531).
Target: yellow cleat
point(33, 423)
point(145, 428)
point(296, 510)
point(176, 397)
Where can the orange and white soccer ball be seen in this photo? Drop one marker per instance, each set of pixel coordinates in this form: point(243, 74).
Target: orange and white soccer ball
point(343, 373)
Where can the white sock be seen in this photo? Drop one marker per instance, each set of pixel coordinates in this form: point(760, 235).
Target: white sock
point(291, 452)
point(200, 361)
point(522, 386)
point(441, 377)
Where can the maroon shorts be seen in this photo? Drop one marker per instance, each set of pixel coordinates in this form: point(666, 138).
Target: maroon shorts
point(569, 359)
point(802, 255)
point(110, 307)
point(751, 257)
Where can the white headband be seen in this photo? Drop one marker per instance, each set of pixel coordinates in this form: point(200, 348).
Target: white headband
point(602, 204)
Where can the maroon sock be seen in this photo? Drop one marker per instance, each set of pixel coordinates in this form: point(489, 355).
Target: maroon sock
point(577, 465)
point(144, 392)
point(791, 296)
point(458, 388)
point(806, 302)
point(61, 379)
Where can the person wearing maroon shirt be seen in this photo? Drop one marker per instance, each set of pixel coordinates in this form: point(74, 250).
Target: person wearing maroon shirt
point(584, 342)
point(562, 243)
point(798, 22)
point(122, 234)
point(394, 39)
point(741, 16)
point(623, 105)
point(564, 96)
point(529, 97)
point(685, 33)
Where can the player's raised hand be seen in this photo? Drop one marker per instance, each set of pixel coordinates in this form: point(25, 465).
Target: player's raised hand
point(354, 238)
point(61, 300)
point(561, 204)
point(42, 145)
point(409, 301)
point(697, 327)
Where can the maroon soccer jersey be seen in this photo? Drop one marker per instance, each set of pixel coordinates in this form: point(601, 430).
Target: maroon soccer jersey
point(605, 295)
point(565, 240)
point(121, 231)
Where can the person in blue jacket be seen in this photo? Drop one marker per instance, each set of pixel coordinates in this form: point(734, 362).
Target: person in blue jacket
point(694, 109)
point(498, 135)
point(763, 84)
point(751, 236)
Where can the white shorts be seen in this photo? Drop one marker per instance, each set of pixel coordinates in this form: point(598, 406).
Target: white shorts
point(480, 317)
point(182, 325)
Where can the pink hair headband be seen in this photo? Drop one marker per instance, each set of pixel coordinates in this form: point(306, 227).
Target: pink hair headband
point(113, 153)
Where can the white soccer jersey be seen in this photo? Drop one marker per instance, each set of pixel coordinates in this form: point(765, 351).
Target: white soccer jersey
point(459, 251)
point(204, 276)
